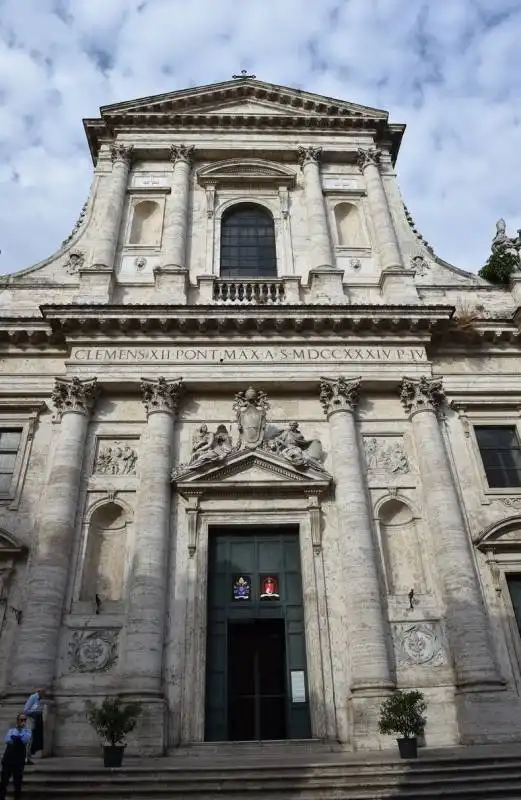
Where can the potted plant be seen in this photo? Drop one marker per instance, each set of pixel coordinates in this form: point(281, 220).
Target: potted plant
point(113, 720)
point(403, 713)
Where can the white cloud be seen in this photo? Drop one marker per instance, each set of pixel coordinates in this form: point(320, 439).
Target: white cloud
point(450, 70)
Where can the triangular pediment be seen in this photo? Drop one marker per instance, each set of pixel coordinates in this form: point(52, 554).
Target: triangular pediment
point(252, 471)
point(242, 96)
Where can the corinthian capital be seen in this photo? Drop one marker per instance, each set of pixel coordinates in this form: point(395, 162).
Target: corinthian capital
point(122, 153)
point(161, 395)
point(181, 152)
point(366, 158)
point(339, 394)
point(309, 155)
point(73, 395)
point(422, 394)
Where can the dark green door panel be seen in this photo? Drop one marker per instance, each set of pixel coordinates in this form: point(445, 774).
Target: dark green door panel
point(255, 645)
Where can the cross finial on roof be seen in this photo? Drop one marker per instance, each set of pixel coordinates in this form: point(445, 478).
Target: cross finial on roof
point(244, 74)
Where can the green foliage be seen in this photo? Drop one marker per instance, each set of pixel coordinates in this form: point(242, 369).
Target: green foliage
point(403, 713)
point(499, 267)
point(113, 720)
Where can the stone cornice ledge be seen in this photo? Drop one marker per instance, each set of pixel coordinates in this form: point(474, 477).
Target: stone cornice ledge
point(378, 319)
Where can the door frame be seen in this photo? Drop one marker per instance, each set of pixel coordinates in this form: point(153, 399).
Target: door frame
point(322, 701)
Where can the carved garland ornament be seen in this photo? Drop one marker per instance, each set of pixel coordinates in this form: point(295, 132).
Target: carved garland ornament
point(93, 651)
point(74, 395)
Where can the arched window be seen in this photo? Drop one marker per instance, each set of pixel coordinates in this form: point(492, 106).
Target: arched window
point(248, 243)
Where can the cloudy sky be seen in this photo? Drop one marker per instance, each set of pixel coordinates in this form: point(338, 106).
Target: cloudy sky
point(450, 69)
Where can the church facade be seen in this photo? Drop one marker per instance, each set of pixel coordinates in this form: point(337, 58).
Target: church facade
point(259, 444)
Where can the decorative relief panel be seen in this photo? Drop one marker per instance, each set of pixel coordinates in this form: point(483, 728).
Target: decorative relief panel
point(93, 651)
point(386, 454)
point(116, 458)
point(418, 644)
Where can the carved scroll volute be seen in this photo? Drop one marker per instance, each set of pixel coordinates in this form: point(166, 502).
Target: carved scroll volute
point(192, 516)
point(315, 523)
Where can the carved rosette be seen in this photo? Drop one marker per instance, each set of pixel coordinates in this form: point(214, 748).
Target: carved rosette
point(339, 394)
point(181, 152)
point(309, 155)
point(73, 395)
point(422, 394)
point(161, 395)
point(418, 644)
point(93, 651)
point(368, 157)
point(122, 154)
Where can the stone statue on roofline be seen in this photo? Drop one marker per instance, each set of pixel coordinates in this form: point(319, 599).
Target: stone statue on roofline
point(504, 243)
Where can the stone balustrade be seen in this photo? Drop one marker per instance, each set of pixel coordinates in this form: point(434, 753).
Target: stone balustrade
point(254, 292)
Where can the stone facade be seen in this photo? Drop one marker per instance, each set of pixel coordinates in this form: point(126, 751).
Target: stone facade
point(147, 399)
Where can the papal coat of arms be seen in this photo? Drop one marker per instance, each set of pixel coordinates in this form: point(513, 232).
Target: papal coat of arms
point(250, 409)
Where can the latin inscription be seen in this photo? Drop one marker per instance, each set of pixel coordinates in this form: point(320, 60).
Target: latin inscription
point(262, 355)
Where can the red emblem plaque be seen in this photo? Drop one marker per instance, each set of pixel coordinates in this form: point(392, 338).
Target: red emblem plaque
point(269, 587)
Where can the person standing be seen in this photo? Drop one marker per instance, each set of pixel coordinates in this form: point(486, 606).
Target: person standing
point(34, 710)
point(13, 760)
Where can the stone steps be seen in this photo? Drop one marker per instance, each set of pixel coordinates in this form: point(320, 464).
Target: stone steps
point(334, 777)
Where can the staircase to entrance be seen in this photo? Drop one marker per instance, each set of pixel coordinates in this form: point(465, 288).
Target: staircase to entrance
point(305, 770)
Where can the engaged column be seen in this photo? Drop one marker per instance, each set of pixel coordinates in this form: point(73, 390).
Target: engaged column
point(148, 575)
point(467, 622)
point(368, 657)
point(49, 573)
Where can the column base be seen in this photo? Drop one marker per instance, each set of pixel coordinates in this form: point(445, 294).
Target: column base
point(150, 736)
point(486, 717)
point(326, 285)
point(96, 284)
point(363, 711)
point(172, 284)
point(397, 286)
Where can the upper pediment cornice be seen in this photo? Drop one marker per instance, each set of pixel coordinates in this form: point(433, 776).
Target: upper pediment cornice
point(218, 107)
